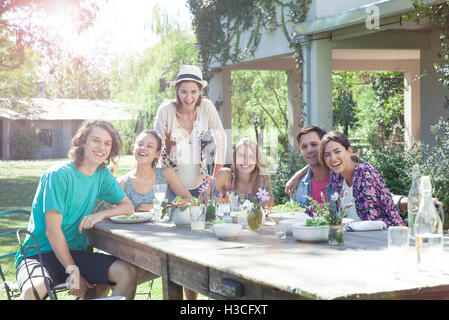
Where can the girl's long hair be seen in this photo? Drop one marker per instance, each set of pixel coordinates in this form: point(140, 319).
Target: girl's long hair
point(259, 170)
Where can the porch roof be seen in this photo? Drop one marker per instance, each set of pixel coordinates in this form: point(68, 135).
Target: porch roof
point(388, 9)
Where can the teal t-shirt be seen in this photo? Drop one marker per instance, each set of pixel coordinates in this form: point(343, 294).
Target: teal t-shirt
point(65, 189)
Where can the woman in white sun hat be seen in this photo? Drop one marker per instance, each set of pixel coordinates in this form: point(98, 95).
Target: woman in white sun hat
point(188, 127)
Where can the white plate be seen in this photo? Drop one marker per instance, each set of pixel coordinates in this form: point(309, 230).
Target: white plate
point(142, 217)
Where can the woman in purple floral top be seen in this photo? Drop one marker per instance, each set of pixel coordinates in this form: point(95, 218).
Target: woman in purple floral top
point(372, 198)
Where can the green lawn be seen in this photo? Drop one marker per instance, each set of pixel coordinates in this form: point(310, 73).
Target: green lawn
point(18, 183)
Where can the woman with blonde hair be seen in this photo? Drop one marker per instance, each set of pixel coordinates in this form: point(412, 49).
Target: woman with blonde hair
point(247, 174)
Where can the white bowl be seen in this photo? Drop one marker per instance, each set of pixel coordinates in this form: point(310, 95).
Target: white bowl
point(181, 218)
point(227, 231)
point(288, 224)
point(311, 234)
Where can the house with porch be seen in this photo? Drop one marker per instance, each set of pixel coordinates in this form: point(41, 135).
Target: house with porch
point(349, 35)
point(55, 121)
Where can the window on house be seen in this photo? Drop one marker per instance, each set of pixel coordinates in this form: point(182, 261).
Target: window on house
point(45, 137)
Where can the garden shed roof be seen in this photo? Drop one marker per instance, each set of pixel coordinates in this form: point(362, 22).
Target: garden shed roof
point(66, 109)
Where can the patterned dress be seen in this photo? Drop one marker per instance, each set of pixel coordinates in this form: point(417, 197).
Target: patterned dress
point(373, 200)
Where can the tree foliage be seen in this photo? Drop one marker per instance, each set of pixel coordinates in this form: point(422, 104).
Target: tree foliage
point(26, 42)
point(19, 28)
point(259, 101)
point(146, 80)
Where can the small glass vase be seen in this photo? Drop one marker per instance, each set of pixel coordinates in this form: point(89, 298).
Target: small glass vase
point(336, 235)
point(254, 217)
point(211, 210)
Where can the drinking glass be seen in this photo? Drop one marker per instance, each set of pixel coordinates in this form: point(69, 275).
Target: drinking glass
point(159, 193)
point(398, 244)
point(198, 217)
point(280, 231)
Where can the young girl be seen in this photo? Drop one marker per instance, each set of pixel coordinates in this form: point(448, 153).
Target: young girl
point(139, 183)
point(362, 182)
point(247, 173)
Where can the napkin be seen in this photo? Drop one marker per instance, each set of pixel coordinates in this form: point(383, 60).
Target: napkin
point(366, 226)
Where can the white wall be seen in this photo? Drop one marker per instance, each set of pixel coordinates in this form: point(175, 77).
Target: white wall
point(432, 91)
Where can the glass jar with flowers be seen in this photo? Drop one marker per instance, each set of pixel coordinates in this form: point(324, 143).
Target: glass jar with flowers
point(333, 213)
point(255, 215)
point(208, 195)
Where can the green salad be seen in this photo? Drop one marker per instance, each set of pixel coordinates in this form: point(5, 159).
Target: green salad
point(130, 217)
point(288, 206)
point(315, 222)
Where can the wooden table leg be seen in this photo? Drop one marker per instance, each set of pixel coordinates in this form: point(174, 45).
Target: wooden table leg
point(170, 290)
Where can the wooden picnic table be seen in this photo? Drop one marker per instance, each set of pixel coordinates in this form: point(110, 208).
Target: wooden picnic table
point(257, 265)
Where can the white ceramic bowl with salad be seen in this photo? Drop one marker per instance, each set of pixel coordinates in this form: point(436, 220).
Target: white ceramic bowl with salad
point(313, 230)
point(181, 217)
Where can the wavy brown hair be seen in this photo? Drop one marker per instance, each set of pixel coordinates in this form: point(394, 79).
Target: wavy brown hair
point(337, 137)
point(76, 152)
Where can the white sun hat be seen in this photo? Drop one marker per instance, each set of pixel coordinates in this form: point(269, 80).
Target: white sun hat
point(191, 73)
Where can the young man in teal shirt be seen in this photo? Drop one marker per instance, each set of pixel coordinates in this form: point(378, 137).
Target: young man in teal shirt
point(61, 211)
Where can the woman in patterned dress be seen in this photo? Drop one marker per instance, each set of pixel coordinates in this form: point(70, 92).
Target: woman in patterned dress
point(363, 184)
point(246, 175)
point(189, 126)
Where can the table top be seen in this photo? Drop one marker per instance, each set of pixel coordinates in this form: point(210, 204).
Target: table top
point(362, 268)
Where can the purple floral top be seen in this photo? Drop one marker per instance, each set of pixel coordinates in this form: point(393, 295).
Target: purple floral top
point(373, 200)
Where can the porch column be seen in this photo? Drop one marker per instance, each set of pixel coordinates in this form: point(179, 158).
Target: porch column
point(293, 108)
point(5, 142)
point(321, 83)
point(220, 94)
point(305, 50)
point(412, 104)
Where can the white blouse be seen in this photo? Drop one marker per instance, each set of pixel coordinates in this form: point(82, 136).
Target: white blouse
point(188, 154)
point(351, 212)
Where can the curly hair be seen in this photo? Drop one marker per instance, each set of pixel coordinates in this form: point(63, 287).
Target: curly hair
point(76, 152)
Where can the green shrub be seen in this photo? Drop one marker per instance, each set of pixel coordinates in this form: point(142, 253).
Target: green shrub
point(24, 144)
point(394, 162)
point(289, 163)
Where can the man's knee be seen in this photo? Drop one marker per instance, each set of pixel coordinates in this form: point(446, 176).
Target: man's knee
point(121, 270)
point(28, 293)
